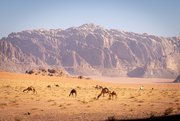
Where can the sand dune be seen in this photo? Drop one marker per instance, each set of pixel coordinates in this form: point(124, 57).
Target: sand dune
point(53, 102)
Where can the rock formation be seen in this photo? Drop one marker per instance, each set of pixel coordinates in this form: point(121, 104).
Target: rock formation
point(92, 50)
point(177, 80)
point(47, 72)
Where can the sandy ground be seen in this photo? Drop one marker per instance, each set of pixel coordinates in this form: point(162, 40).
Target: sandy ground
point(55, 104)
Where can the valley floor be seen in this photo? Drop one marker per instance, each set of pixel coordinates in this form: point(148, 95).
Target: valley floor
point(54, 104)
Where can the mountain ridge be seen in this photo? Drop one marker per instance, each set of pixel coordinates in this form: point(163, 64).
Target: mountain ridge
point(92, 50)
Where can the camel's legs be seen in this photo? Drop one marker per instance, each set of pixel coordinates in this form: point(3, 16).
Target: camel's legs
point(99, 95)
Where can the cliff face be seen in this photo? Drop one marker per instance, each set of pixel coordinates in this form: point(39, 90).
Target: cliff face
point(92, 50)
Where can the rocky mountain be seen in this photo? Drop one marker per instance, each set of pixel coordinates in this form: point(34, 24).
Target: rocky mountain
point(177, 80)
point(92, 50)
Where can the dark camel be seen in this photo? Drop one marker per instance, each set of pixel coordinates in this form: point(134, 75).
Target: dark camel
point(112, 95)
point(30, 89)
point(103, 91)
point(98, 87)
point(73, 92)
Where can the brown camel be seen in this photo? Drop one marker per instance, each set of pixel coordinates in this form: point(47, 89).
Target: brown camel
point(112, 94)
point(73, 91)
point(30, 89)
point(103, 91)
point(98, 87)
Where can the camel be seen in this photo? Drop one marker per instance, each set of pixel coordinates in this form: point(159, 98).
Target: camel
point(73, 91)
point(98, 87)
point(103, 91)
point(112, 94)
point(141, 88)
point(30, 89)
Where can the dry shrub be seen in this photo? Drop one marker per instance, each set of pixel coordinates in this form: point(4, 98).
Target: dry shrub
point(43, 70)
point(80, 77)
point(111, 118)
point(60, 105)
point(84, 102)
point(17, 118)
point(51, 70)
point(54, 103)
point(28, 113)
point(177, 100)
point(7, 86)
point(131, 97)
point(49, 86)
point(50, 74)
point(34, 108)
point(139, 104)
point(30, 72)
point(3, 104)
point(94, 98)
point(141, 101)
point(78, 87)
point(152, 114)
point(57, 85)
point(50, 100)
point(68, 104)
point(168, 111)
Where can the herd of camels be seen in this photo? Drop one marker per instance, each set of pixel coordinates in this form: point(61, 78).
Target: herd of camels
point(103, 91)
point(73, 92)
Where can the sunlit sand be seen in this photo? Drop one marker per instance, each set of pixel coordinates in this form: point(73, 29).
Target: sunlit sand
point(52, 102)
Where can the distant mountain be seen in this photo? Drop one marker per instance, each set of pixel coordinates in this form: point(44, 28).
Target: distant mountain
point(177, 80)
point(92, 50)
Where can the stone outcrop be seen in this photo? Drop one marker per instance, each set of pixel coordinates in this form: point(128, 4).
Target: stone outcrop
point(92, 50)
point(177, 80)
point(47, 72)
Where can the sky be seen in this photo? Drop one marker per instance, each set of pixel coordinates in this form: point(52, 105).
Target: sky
point(156, 17)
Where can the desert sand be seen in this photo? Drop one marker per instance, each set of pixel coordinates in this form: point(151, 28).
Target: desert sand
point(52, 103)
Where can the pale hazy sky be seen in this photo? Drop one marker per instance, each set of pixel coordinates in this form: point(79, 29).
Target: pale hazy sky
point(157, 17)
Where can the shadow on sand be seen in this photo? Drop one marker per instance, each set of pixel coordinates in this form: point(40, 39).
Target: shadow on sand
point(161, 118)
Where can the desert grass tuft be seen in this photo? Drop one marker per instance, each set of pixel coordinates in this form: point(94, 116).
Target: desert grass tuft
point(168, 111)
point(152, 114)
point(50, 100)
point(131, 97)
point(111, 118)
point(17, 118)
